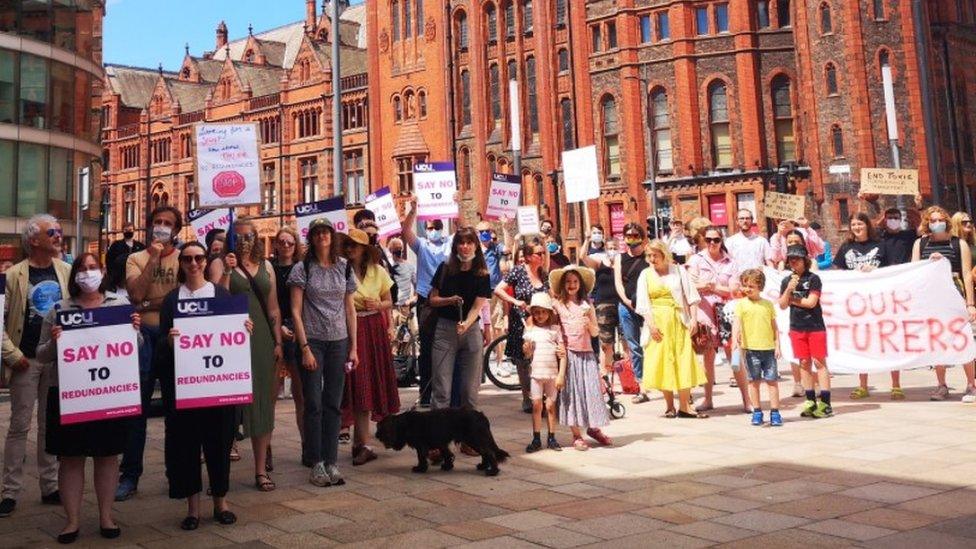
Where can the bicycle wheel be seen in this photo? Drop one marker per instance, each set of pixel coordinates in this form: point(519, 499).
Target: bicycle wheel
point(498, 367)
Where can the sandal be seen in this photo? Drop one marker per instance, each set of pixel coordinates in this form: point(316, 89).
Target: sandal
point(190, 523)
point(897, 393)
point(266, 485)
point(686, 415)
point(860, 393)
point(640, 398)
point(234, 454)
point(224, 517)
point(670, 414)
point(580, 444)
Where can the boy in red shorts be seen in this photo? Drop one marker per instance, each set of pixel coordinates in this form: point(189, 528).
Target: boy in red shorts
point(801, 293)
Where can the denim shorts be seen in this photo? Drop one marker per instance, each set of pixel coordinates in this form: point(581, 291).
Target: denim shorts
point(761, 365)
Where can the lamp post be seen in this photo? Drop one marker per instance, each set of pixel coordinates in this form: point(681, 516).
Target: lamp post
point(651, 181)
point(337, 8)
point(892, 119)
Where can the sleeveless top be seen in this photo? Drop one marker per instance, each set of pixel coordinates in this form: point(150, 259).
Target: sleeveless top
point(630, 269)
point(948, 248)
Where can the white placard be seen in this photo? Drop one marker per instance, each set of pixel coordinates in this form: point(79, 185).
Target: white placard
point(228, 165)
point(503, 197)
point(581, 175)
point(98, 365)
point(204, 221)
point(435, 184)
point(333, 209)
point(528, 220)
point(382, 206)
point(212, 355)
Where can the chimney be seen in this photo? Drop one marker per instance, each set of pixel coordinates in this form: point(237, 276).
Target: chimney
point(310, 18)
point(221, 35)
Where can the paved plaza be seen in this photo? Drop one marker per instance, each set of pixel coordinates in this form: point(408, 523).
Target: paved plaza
point(879, 473)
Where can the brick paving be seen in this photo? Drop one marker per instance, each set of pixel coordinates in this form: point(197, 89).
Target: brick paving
point(878, 474)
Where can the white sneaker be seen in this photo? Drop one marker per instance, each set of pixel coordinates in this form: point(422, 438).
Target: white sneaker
point(970, 396)
point(798, 390)
point(335, 477)
point(318, 476)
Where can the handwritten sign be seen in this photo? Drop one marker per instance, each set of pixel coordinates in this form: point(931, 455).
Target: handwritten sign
point(98, 365)
point(784, 206)
point(213, 353)
point(435, 184)
point(382, 206)
point(889, 181)
point(580, 174)
point(204, 221)
point(503, 198)
point(228, 165)
point(528, 219)
point(333, 209)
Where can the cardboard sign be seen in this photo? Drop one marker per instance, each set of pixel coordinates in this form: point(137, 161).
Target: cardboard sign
point(228, 165)
point(528, 220)
point(382, 206)
point(333, 209)
point(435, 184)
point(213, 353)
point(98, 365)
point(784, 206)
point(889, 181)
point(204, 221)
point(503, 198)
point(581, 175)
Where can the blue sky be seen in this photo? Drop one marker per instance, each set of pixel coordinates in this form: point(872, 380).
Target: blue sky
point(145, 33)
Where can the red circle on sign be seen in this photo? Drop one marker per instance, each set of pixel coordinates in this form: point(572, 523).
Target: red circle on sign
point(228, 184)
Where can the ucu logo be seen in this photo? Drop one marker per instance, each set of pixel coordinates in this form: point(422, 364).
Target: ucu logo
point(306, 209)
point(423, 168)
point(192, 307)
point(77, 319)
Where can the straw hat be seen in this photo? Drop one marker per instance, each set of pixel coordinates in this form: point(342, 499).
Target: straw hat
point(541, 300)
point(358, 236)
point(586, 275)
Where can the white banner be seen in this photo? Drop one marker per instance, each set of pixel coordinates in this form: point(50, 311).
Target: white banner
point(435, 184)
point(333, 209)
point(98, 365)
point(382, 206)
point(213, 353)
point(228, 165)
point(895, 318)
point(528, 220)
point(581, 175)
point(204, 221)
point(503, 198)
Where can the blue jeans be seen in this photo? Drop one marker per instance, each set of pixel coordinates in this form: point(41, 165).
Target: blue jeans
point(631, 324)
point(323, 389)
point(135, 442)
point(762, 365)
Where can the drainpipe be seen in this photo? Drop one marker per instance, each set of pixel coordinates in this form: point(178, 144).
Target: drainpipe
point(928, 112)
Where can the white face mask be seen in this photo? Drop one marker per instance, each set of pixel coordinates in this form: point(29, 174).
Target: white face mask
point(596, 238)
point(893, 224)
point(465, 258)
point(90, 280)
point(162, 233)
point(937, 227)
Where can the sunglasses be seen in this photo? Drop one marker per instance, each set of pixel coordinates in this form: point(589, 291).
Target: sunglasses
point(632, 235)
point(199, 259)
point(52, 232)
point(967, 222)
point(286, 243)
point(713, 240)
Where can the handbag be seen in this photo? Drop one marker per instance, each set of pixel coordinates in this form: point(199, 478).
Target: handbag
point(701, 339)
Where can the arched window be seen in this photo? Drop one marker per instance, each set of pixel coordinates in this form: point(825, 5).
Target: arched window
point(491, 16)
point(531, 92)
point(611, 137)
point(884, 58)
point(395, 19)
point(397, 108)
point(419, 17)
point(527, 16)
point(465, 98)
point(465, 176)
point(879, 9)
point(830, 76)
point(563, 55)
point(422, 104)
point(837, 140)
point(826, 24)
point(407, 20)
point(509, 20)
point(560, 12)
point(511, 71)
point(721, 131)
point(568, 127)
point(495, 95)
point(783, 119)
point(186, 73)
point(409, 110)
point(661, 126)
point(783, 13)
point(462, 30)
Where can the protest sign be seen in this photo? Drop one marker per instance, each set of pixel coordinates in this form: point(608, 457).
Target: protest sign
point(435, 184)
point(98, 364)
point(889, 181)
point(204, 221)
point(528, 219)
point(382, 206)
point(212, 353)
point(784, 206)
point(580, 174)
point(895, 318)
point(503, 198)
point(227, 165)
point(333, 209)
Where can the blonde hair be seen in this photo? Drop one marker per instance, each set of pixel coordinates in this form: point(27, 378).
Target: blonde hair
point(287, 229)
point(257, 250)
point(955, 225)
point(697, 228)
point(661, 247)
point(923, 227)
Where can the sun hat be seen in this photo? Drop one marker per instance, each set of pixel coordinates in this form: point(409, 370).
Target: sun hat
point(541, 300)
point(796, 251)
point(586, 275)
point(358, 236)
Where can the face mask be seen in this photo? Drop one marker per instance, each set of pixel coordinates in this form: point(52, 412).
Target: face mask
point(938, 227)
point(89, 281)
point(546, 230)
point(162, 233)
point(127, 235)
point(596, 238)
point(634, 243)
point(465, 258)
point(484, 236)
point(396, 253)
point(611, 254)
point(552, 247)
point(893, 224)
point(433, 235)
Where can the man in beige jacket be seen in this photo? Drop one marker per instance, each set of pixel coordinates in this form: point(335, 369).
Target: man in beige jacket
point(33, 287)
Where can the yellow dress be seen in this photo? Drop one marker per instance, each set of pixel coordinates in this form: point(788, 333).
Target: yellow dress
point(669, 364)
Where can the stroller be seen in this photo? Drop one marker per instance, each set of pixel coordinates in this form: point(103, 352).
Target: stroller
point(621, 368)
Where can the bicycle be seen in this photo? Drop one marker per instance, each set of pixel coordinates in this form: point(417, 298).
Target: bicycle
point(498, 368)
point(405, 349)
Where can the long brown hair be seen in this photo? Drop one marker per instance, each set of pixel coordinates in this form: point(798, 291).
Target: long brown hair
point(563, 295)
point(74, 290)
point(370, 258)
point(298, 242)
point(527, 250)
point(257, 251)
point(478, 266)
point(311, 256)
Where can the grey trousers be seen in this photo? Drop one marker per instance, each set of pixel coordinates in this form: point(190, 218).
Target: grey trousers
point(27, 388)
point(468, 351)
point(322, 389)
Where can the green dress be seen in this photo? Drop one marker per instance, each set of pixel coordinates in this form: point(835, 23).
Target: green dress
point(259, 415)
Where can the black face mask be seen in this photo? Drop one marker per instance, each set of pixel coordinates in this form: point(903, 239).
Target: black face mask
point(127, 235)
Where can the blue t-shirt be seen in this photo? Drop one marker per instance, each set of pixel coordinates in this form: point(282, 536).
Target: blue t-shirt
point(429, 257)
point(493, 257)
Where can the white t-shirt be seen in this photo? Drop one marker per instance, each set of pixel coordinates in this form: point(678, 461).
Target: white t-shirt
point(204, 292)
point(747, 252)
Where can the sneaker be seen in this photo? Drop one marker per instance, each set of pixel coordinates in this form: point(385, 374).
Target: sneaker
point(600, 437)
point(54, 498)
point(809, 407)
point(823, 410)
point(970, 395)
point(318, 476)
point(897, 393)
point(733, 382)
point(335, 477)
point(344, 437)
point(125, 490)
point(775, 419)
point(580, 444)
point(859, 393)
point(940, 394)
point(757, 417)
point(552, 444)
point(533, 446)
point(798, 390)
point(7, 507)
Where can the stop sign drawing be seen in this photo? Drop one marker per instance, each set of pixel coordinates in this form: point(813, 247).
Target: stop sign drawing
point(228, 184)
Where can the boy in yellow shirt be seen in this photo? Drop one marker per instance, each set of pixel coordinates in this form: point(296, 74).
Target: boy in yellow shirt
point(754, 329)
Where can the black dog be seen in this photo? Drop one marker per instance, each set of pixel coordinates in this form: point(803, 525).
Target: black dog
point(435, 430)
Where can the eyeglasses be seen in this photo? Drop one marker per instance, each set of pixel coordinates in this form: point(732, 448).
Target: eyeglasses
point(967, 222)
point(52, 232)
point(713, 240)
point(632, 235)
point(199, 259)
point(286, 243)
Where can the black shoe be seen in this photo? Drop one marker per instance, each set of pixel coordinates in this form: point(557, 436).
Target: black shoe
point(110, 533)
point(54, 498)
point(190, 523)
point(552, 444)
point(527, 406)
point(307, 463)
point(7, 507)
point(533, 446)
point(68, 537)
point(225, 517)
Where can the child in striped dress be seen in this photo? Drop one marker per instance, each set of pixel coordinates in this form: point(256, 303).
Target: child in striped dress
point(543, 346)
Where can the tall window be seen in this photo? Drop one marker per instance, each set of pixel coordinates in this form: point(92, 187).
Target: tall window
point(532, 104)
point(783, 119)
point(721, 18)
point(407, 19)
point(270, 131)
point(826, 24)
point(308, 174)
point(269, 198)
point(464, 177)
point(566, 114)
point(129, 204)
point(527, 16)
point(612, 35)
point(718, 110)
point(645, 29)
point(879, 9)
point(663, 26)
point(661, 125)
point(355, 173)
point(830, 75)
point(421, 105)
point(701, 21)
point(596, 35)
point(492, 17)
point(404, 170)
point(762, 14)
point(420, 17)
point(395, 19)
point(511, 71)
point(560, 12)
point(563, 55)
point(509, 20)
point(837, 141)
point(462, 30)
point(397, 108)
point(783, 13)
point(611, 138)
point(465, 98)
point(495, 95)
point(307, 122)
point(191, 194)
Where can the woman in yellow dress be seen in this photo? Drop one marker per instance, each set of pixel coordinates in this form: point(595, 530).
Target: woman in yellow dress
point(666, 298)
